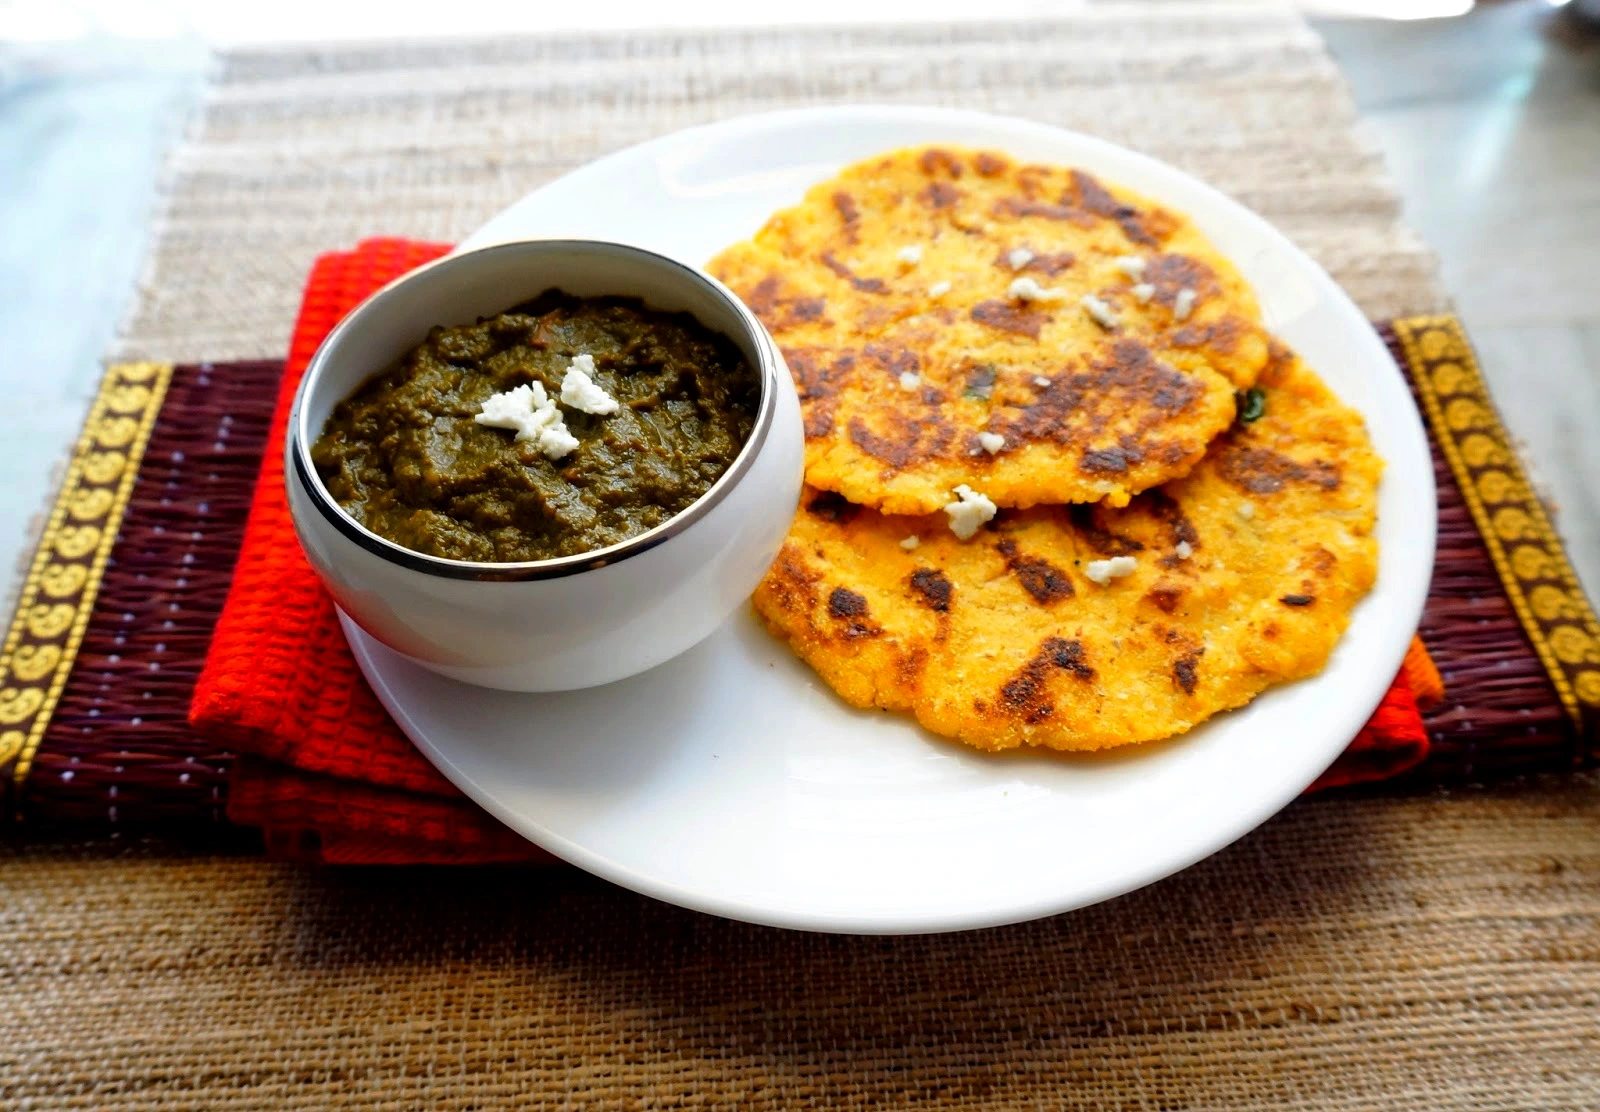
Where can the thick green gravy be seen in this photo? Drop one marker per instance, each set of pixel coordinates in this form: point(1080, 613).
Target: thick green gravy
point(405, 458)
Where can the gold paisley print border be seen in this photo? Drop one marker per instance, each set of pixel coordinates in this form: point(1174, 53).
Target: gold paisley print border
point(59, 591)
point(1532, 565)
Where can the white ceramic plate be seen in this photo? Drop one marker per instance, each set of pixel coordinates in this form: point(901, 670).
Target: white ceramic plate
point(732, 781)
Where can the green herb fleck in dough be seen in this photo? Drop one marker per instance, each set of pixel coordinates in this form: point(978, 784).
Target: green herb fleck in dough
point(1252, 404)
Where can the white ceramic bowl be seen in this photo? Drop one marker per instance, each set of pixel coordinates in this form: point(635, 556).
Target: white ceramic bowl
point(577, 621)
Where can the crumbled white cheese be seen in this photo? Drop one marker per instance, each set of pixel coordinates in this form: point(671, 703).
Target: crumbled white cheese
point(1040, 380)
point(1131, 265)
point(1026, 289)
point(1020, 257)
point(938, 289)
point(991, 442)
point(510, 409)
point(1247, 510)
point(1183, 304)
point(1143, 292)
point(910, 380)
point(1100, 311)
point(1104, 571)
point(969, 512)
point(911, 255)
point(580, 391)
point(1184, 550)
point(533, 415)
point(555, 441)
point(910, 543)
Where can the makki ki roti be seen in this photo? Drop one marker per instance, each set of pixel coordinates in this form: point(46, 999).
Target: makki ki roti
point(1243, 575)
point(890, 291)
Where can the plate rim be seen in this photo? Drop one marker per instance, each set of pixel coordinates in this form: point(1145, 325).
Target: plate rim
point(1417, 560)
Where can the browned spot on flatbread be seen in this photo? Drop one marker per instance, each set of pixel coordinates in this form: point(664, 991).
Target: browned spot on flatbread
point(776, 311)
point(1102, 541)
point(1043, 581)
point(935, 159)
point(802, 310)
point(1098, 200)
point(849, 213)
point(1163, 508)
point(1221, 336)
point(896, 361)
point(933, 588)
point(764, 296)
point(1297, 600)
point(1094, 196)
point(1024, 693)
point(1164, 597)
point(791, 582)
point(1021, 206)
point(906, 442)
point(1263, 471)
point(818, 378)
point(848, 607)
point(1280, 361)
point(1185, 671)
point(1135, 372)
point(819, 420)
point(1160, 223)
point(1169, 273)
point(1031, 179)
point(1076, 404)
point(865, 285)
point(909, 668)
point(940, 195)
point(872, 318)
point(989, 164)
point(845, 603)
point(833, 507)
point(1043, 263)
point(1110, 461)
point(1008, 316)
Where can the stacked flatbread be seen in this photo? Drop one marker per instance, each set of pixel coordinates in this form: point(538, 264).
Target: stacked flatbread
point(1063, 488)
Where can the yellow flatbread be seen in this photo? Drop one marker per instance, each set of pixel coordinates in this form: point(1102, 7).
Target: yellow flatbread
point(1087, 627)
point(893, 292)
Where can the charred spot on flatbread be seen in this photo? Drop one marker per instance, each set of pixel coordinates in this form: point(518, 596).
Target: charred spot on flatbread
point(1044, 582)
point(934, 590)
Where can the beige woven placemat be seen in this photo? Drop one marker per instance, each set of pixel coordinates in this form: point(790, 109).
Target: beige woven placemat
point(1425, 955)
point(300, 151)
point(1429, 954)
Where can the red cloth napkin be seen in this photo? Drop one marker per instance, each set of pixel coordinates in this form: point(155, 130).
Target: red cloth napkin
point(337, 780)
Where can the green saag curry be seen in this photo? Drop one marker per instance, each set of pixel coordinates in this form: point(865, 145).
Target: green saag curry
point(406, 459)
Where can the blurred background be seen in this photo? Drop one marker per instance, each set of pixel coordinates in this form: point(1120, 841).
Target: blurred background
point(1488, 114)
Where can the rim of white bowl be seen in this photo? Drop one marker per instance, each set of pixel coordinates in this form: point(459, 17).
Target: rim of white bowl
point(303, 471)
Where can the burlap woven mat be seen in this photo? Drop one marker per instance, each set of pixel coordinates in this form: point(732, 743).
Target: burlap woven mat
point(1438, 952)
point(1418, 954)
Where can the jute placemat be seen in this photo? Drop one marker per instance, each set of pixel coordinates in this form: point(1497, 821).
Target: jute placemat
point(1423, 954)
point(299, 151)
point(1420, 953)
